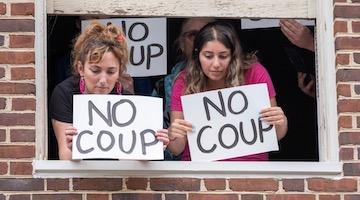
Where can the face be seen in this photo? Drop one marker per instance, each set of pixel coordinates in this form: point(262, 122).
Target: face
point(215, 59)
point(100, 78)
point(189, 31)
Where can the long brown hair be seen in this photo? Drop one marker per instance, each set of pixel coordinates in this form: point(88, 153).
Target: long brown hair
point(224, 33)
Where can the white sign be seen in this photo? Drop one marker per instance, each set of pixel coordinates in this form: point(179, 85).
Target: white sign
point(226, 123)
point(268, 23)
point(146, 39)
point(117, 126)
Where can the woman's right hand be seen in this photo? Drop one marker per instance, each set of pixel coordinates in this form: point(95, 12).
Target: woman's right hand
point(70, 131)
point(179, 129)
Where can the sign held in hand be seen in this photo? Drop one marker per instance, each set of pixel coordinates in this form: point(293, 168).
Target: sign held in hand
point(117, 126)
point(226, 123)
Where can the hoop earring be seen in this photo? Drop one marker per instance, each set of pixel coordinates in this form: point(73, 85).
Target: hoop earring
point(82, 85)
point(118, 87)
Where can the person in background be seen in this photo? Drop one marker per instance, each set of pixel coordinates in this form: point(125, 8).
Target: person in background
point(217, 62)
point(302, 37)
point(100, 55)
point(189, 28)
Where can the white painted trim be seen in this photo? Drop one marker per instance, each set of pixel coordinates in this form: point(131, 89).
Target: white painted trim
point(326, 80)
point(41, 80)
point(67, 169)
point(205, 8)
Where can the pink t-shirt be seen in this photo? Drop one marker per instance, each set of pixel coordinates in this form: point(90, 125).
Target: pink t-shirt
point(255, 74)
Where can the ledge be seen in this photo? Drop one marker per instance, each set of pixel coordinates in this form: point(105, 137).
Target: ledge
point(111, 168)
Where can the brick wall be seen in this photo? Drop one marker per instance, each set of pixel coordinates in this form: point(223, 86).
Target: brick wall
point(17, 131)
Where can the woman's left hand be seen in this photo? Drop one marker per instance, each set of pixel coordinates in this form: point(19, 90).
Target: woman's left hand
point(273, 115)
point(162, 135)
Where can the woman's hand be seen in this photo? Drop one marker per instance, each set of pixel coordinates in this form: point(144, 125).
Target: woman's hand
point(127, 82)
point(275, 116)
point(179, 129)
point(70, 131)
point(162, 135)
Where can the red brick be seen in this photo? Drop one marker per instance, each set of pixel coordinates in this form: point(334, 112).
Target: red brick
point(20, 197)
point(339, 1)
point(57, 184)
point(355, 1)
point(346, 11)
point(290, 197)
point(21, 184)
point(97, 197)
point(17, 151)
point(329, 197)
point(293, 185)
point(343, 59)
point(17, 88)
point(56, 196)
point(2, 72)
point(22, 73)
point(2, 8)
point(343, 90)
point(252, 197)
point(351, 169)
point(136, 183)
point(351, 196)
point(348, 75)
point(215, 184)
point(253, 185)
point(2, 197)
point(346, 153)
point(349, 138)
point(2, 103)
point(8, 57)
point(134, 196)
point(357, 58)
point(20, 168)
point(22, 9)
point(22, 135)
point(13, 119)
point(347, 43)
point(17, 25)
point(99, 184)
point(194, 196)
point(22, 41)
point(175, 197)
point(345, 122)
point(2, 135)
point(349, 105)
point(21, 104)
point(340, 26)
point(3, 168)
point(171, 184)
point(356, 27)
point(327, 185)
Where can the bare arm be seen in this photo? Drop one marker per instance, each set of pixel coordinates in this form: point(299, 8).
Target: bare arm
point(64, 133)
point(177, 132)
point(275, 116)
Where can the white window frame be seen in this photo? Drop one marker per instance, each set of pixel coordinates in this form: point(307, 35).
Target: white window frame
point(329, 164)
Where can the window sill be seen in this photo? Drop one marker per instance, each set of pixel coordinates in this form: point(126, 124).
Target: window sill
point(69, 169)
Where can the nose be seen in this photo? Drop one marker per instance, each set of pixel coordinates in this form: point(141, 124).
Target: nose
point(103, 79)
point(216, 63)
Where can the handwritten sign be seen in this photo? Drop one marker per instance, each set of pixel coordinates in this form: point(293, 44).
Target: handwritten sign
point(117, 126)
point(226, 123)
point(146, 39)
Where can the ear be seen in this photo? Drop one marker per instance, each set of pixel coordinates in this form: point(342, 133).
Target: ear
point(80, 68)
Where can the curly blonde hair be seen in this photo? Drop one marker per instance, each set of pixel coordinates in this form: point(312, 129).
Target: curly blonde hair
point(96, 40)
point(217, 31)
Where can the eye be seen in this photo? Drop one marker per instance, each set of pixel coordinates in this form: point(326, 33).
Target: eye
point(224, 56)
point(95, 69)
